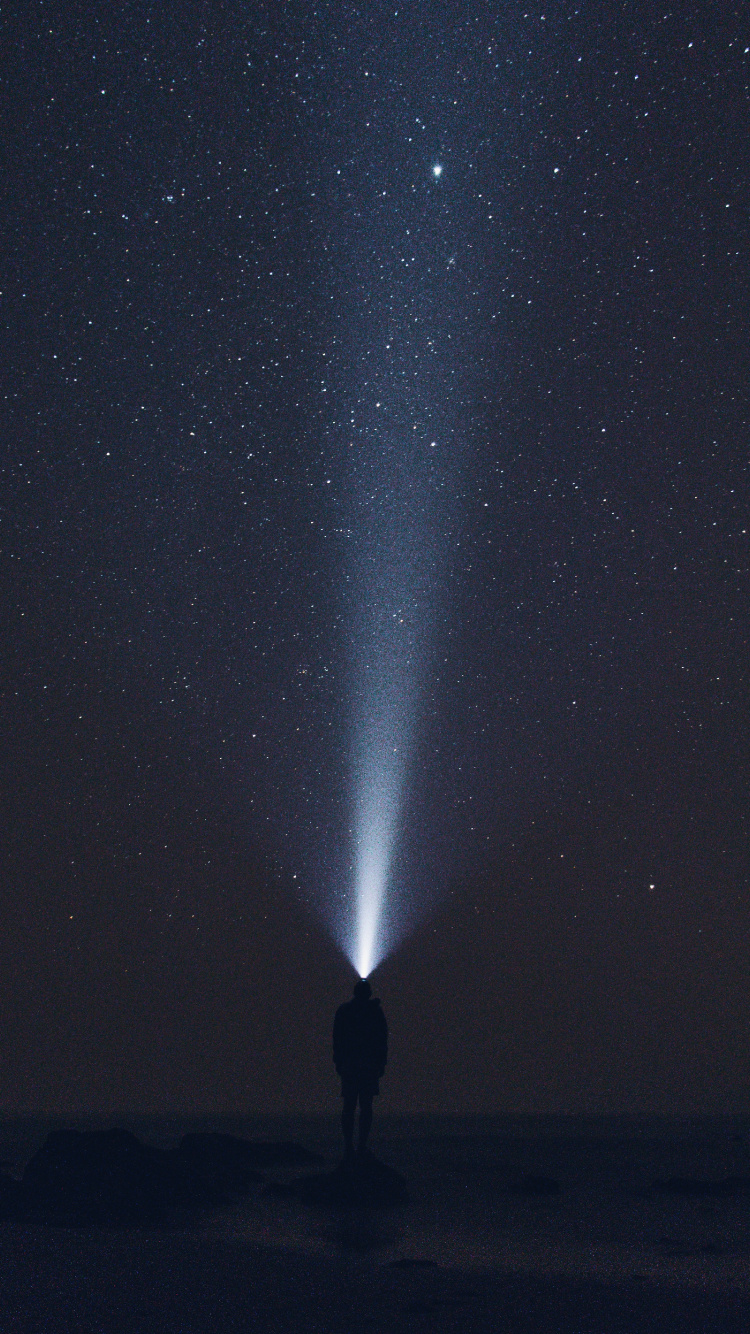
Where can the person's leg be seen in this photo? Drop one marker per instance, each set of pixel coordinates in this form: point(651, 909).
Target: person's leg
point(347, 1119)
point(365, 1119)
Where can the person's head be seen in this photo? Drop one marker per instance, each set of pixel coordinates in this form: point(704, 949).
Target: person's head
point(362, 990)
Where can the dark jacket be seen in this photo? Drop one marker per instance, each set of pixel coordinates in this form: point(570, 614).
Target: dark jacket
point(360, 1039)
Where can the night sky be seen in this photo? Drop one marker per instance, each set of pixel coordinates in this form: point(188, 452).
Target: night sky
point(366, 361)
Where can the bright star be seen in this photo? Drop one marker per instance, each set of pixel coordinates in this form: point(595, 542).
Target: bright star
point(437, 170)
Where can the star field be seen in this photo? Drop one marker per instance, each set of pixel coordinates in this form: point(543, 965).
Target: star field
point(317, 321)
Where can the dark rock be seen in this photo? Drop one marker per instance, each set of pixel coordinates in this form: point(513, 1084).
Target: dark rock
point(108, 1176)
point(222, 1162)
point(697, 1186)
point(532, 1185)
point(359, 1181)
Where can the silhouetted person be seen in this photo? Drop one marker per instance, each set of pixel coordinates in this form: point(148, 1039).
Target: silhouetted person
point(360, 1052)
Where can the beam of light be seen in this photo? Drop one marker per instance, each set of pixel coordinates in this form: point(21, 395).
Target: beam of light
point(381, 772)
point(376, 836)
point(385, 679)
point(374, 887)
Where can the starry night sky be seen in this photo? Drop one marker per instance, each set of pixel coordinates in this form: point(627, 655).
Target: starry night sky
point(269, 381)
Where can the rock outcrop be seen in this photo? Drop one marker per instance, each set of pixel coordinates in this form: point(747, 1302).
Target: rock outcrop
point(360, 1181)
point(227, 1164)
point(108, 1176)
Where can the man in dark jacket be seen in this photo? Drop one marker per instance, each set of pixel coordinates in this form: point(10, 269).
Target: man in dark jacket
point(360, 1052)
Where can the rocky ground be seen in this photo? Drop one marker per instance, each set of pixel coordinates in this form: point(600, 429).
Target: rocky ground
point(457, 1228)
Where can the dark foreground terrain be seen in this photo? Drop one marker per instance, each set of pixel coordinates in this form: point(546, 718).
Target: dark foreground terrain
point(518, 1226)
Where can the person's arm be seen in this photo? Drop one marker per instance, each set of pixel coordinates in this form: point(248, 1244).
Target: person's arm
point(337, 1040)
point(383, 1043)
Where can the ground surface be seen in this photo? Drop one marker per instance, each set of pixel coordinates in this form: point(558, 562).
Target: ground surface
point(476, 1249)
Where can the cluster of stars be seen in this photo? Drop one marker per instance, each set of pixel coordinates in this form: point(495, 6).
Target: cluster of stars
point(301, 330)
